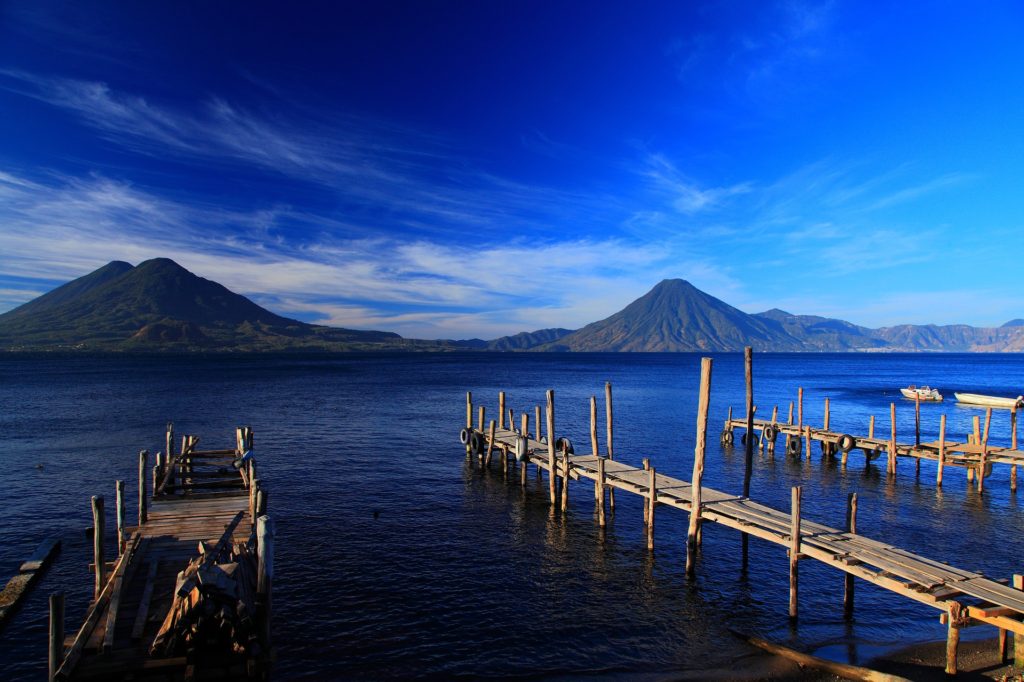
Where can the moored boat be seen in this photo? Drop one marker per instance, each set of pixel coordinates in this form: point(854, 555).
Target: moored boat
point(925, 393)
point(989, 400)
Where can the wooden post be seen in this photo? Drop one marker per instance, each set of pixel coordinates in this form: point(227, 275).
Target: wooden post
point(729, 418)
point(942, 450)
point(599, 491)
point(524, 426)
point(469, 417)
point(168, 448)
point(652, 501)
point(501, 410)
point(143, 455)
point(119, 502)
point(871, 427)
point(1018, 640)
point(698, 466)
point(827, 417)
point(593, 426)
point(807, 433)
point(565, 483)
point(609, 421)
point(511, 419)
point(826, 447)
point(976, 422)
point(892, 440)
point(56, 649)
point(646, 464)
point(1013, 446)
point(800, 409)
point(851, 527)
point(790, 419)
point(953, 622)
point(984, 452)
point(794, 550)
point(156, 477)
point(917, 420)
point(490, 441)
point(552, 472)
point(265, 569)
point(539, 424)
point(261, 502)
point(98, 529)
point(748, 457)
point(480, 419)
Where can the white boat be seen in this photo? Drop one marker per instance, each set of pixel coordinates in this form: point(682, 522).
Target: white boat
point(989, 400)
point(925, 393)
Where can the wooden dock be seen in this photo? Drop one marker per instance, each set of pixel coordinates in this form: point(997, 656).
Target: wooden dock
point(977, 455)
point(187, 593)
point(963, 597)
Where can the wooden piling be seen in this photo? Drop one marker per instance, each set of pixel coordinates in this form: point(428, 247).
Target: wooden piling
point(1013, 446)
point(794, 551)
point(56, 648)
point(265, 568)
point(469, 418)
point(807, 433)
point(490, 440)
point(119, 506)
point(609, 421)
point(698, 465)
point(891, 468)
point(480, 419)
point(599, 491)
point(871, 427)
point(1018, 640)
point(748, 457)
point(942, 451)
point(827, 415)
point(646, 464)
point(143, 455)
point(156, 476)
point(501, 410)
point(98, 529)
point(652, 501)
point(565, 482)
point(552, 473)
point(851, 527)
point(984, 452)
point(917, 420)
point(168, 448)
point(593, 426)
point(790, 419)
point(976, 423)
point(954, 621)
point(800, 409)
point(536, 420)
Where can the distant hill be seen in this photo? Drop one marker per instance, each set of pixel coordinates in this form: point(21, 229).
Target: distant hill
point(823, 333)
point(160, 305)
point(527, 340)
point(1014, 323)
point(677, 316)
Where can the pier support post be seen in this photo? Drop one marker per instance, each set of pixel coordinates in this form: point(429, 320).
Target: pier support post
point(748, 455)
point(891, 469)
point(265, 570)
point(790, 419)
point(984, 452)
point(156, 476)
point(917, 421)
point(143, 515)
point(851, 527)
point(871, 427)
point(652, 501)
point(480, 419)
point(490, 441)
point(1013, 446)
point(552, 471)
point(56, 648)
point(800, 409)
point(119, 507)
point(955, 619)
point(807, 433)
point(593, 427)
point(501, 410)
point(646, 464)
point(98, 529)
point(565, 482)
point(168, 449)
point(599, 491)
point(469, 417)
point(539, 425)
point(610, 450)
point(1018, 640)
point(794, 551)
point(942, 451)
point(698, 466)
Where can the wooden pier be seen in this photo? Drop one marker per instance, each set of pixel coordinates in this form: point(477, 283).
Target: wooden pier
point(962, 597)
point(187, 592)
point(976, 454)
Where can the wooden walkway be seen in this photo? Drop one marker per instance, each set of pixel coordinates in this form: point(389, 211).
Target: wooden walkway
point(194, 548)
point(964, 597)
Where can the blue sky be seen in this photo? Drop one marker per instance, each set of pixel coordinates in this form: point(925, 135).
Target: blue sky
point(471, 169)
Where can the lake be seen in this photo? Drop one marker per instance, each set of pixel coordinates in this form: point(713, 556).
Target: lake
point(399, 558)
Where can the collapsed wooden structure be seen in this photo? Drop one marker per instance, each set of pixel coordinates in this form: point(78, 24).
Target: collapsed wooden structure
point(963, 597)
point(188, 593)
point(977, 455)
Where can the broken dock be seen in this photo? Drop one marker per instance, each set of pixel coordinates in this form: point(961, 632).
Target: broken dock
point(186, 594)
point(961, 596)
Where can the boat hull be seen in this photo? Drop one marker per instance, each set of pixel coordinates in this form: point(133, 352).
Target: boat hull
point(987, 400)
point(925, 397)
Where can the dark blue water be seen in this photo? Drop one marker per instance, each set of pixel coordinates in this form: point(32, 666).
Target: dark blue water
point(464, 574)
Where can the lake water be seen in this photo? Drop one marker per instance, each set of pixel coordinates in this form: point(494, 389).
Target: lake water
point(398, 558)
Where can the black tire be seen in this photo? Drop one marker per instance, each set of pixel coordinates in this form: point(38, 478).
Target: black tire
point(727, 437)
point(464, 436)
point(846, 442)
point(872, 454)
point(793, 445)
point(770, 433)
point(476, 443)
point(564, 446)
